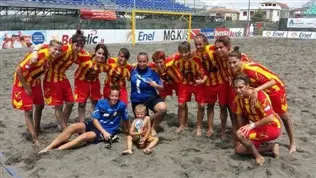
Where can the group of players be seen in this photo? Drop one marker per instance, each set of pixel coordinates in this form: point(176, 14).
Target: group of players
point(254, 96)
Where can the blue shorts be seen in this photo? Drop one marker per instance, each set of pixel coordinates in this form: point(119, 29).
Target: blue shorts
point(91, 128)
point(150, 103)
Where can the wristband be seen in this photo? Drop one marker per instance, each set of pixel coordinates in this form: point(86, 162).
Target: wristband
point(252, 125)
point(35, 50)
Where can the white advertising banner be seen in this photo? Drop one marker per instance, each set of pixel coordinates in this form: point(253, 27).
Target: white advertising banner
point(275, 34)
point(301, 23)
point(92, 36)
point(301, 35)
point(236, 32)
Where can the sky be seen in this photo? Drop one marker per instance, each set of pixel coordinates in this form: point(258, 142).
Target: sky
point(236, 4)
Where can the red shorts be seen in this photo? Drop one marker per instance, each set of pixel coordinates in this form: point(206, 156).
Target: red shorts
point(185, 91)
point(279, 102)
point(123, 94)
point(23, 101)
point(168, 90)
point(56, 93)
point(263, 134)
point(211, 93)
point(85, 89)
point(231, 96)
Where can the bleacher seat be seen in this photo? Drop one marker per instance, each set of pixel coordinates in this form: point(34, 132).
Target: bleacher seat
point(166, 5)
point(67, 2)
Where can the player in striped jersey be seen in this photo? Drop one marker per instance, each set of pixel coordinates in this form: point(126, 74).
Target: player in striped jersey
point(262, 79)
point(222, 48)
point(119, 72)
point(57, 89)
point(87, 83)
point(169, 75)
point(193, 77)
point(27, 88)
point(257, 125)
point(215, 86)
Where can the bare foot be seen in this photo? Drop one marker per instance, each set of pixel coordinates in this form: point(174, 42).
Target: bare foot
point(127, 152)
point(38, 143)
point(147, 151)
point(209, 133)
point(276, 150)
point(180, 129)
point(260, 160)
point(199, 132)
point(292, 148)
point(223, 136)
point(43, 151)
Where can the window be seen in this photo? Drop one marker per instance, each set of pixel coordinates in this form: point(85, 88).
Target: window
point(274, 4)
point(264, 13)
point(251, 13)
point(244, 13)
point(278, 14)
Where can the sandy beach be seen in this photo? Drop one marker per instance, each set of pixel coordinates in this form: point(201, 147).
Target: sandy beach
point(177, 155)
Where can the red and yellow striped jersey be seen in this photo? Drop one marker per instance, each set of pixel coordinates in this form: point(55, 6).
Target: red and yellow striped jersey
point(190, 70)
point(259, 75)
point(211, 66)
point(263, 108)
point(57, 70)
point(117, 74)
point(32, 72)
point(224, 66)
point(86, 65)
point(169, 74)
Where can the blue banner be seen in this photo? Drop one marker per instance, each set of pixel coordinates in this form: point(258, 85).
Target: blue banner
point(208, 32)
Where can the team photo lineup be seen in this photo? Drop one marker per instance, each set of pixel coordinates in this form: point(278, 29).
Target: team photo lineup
point(247, 92)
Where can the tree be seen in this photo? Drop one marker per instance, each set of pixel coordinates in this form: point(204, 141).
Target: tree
point(258, 16)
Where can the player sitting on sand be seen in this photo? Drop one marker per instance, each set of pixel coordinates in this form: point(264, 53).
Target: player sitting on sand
point(27, 88)
point(258, 125)
point(140, 132)
point(104, 124)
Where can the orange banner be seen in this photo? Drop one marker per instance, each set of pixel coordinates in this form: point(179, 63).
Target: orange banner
point(97, 14)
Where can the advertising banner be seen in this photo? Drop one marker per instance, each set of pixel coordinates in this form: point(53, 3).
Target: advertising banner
point(236, 32)
point(97, 14)
point(275, 34)
point(22, 39)
point(221, 32)
point(301, 23)
point(194, 32)
point(92, 36)
point(208, 32)
point(175, 35)
point(301, 35)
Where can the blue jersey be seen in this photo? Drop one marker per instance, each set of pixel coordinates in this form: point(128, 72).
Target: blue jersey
point(110, 116)
point(140, 89)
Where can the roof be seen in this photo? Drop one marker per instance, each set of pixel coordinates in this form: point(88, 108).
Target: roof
point(282, 5)
point(223, 10)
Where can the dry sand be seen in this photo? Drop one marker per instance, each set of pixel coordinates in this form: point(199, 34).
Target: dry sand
point(177, 155)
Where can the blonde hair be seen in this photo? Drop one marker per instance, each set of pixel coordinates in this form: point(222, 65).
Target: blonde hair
point(141, 108)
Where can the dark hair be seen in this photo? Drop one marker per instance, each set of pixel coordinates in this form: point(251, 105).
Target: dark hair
point(142, 54)
point(158, 55)
point(225, 40)
point(241, 77)
point(184, 46)
point(115, 87)
point(78, 36)
point(105, 49)
point(126, 53)
point(235, 53)
point(201, 35)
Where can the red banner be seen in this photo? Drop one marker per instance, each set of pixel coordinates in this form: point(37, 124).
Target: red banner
point(221, 32)
point(97, 14)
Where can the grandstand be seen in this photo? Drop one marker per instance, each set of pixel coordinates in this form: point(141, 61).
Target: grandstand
point(309, 9)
